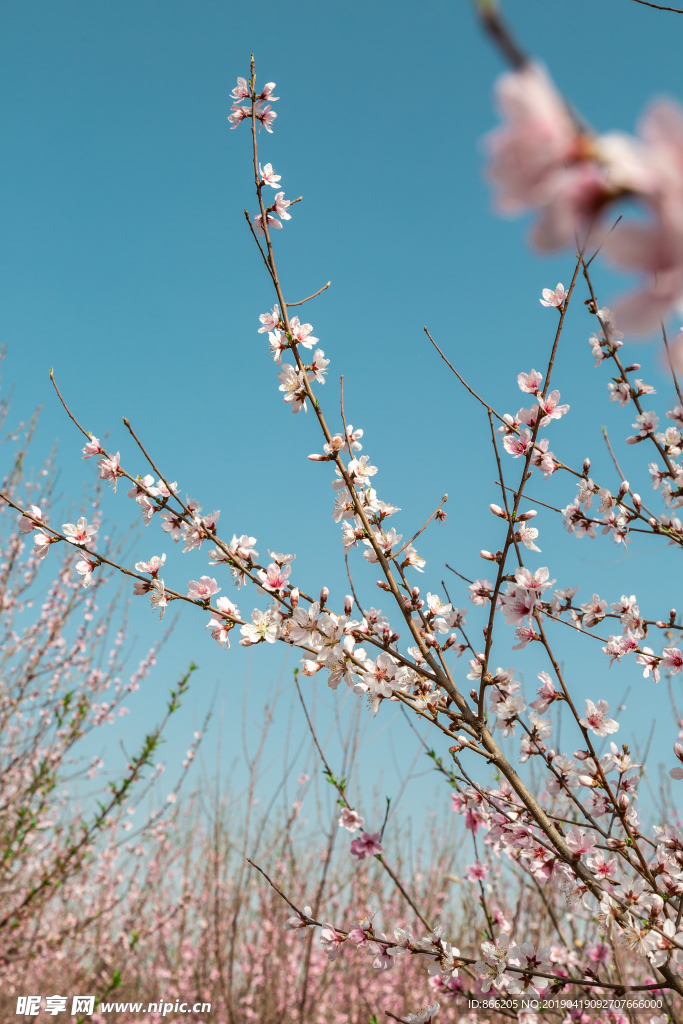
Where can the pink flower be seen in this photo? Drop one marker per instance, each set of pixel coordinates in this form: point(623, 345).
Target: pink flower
point(274, 578)
point(241, 90)
point(25, 524)
point(237, 114)
point(650, 663)
point(268, 175)
point(85, 568)
point(202, 590)
point(677, 773)
point(41, 544)
point(219, 625)
point(476, 872)
point(517, 446)
point(109, 469)
point(301, 333)
point(157, 596)
point(92, 447)
point(351, 820)
point(529, 151)
point(273, 221)
point(546, 694)
point(330, 940)
point(281, 204)
point(270, 321)
point(553, 298)
point(266, 116)
point(596, 718)
point(152, 567)
point(267, 93)
point(672, 659)
point(580, 842)
point(480, 592)
point(367, 846)
point(550, 407)
point(529, 382)
point(525, 634)
point(80, 533)
point(618, 646)
point(292, 382)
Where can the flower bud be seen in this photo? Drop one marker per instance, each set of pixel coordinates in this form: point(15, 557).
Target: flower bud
point(324, 594)
point(294, 597)
point(474, 695)
point(488, 555)
point(588, 780)
point(382, 585)
point(481, 658)
point(527, 515)
point(450, 641)
point(678, 751)
point(632, 368)
point(498, 511)
point(623, 801)
point(652, 522)
point(672, 616)
point(416, 593)
point(637, 503)
point(615, 844)
point(623, 489)
point(634, 439)
point(348, 604)
point(394, 637)
point(431, 640)
point(660, 624)
point(586, 466)
point(318, 458)
point(581, 755)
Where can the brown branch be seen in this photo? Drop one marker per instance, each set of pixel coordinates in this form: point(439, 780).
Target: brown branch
point(301, 302)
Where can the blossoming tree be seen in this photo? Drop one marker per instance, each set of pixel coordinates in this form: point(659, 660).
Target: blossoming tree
point(576, 836)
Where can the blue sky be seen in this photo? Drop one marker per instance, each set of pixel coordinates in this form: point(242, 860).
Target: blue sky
point(126, 264)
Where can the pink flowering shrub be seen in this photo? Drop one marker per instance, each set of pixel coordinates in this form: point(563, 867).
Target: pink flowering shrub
point(572, 899)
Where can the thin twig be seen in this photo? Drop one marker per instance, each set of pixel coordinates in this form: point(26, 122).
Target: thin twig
point(301, 302)
point(422, 528)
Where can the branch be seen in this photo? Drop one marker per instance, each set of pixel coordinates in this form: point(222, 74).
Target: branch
point(301, 302)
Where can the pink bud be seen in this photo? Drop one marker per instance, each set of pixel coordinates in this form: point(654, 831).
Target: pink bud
point(394, 637)
point(623, 489)
point(348, 604)
point(678, 751)
point(319, 458)
point(634, 439)
point(430, 640)
point(632, 368)
point(481, 658)
point(581, 755)
point(450, 641)
point(474, 695)
point(498, 511)
point(637, 503)
point(623, 801)
point(488, 555)
point(672, 616)
point(652, 522)
point(527, 515)
point(587, 780)
point(382, 585)
point(586, 466)
point(660, 624)
point(324, 594)
point(416, 593)
point(294, 597)
point(615, 844)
